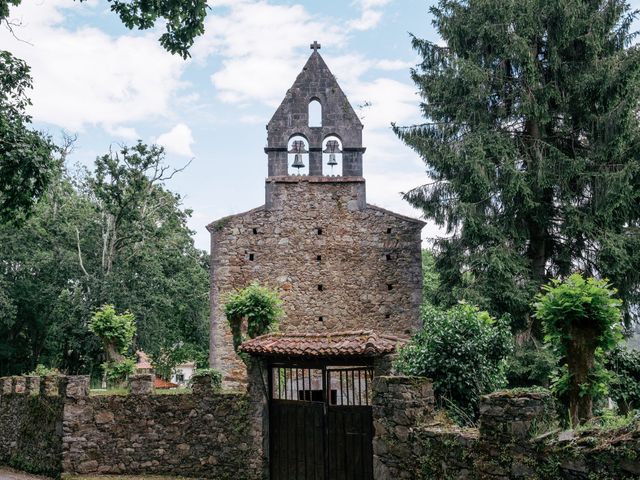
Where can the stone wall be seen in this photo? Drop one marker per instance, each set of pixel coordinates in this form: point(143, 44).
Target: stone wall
point(31, 424)
point(516, 440)
point(338, 263)
point(206, 434)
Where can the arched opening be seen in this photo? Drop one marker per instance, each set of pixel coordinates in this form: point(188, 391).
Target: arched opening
point(332, 156)
point(315, 113)
point(298, 156)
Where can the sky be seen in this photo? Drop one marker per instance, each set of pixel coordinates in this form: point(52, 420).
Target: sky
point(110, 86)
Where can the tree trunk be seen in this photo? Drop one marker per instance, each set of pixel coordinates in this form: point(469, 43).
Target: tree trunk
point(581, 351)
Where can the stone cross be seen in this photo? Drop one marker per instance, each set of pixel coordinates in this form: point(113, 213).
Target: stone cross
point(315, 46)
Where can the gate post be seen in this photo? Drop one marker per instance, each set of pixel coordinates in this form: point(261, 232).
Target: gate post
point(258, 390)
point(399, 404)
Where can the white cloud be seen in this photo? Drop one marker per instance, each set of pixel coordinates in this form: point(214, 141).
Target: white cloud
point(128, 133)
point(178, 140)
point(370, 16)
point(83, 76)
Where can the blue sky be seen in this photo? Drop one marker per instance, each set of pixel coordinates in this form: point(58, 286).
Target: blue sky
point(109, 85)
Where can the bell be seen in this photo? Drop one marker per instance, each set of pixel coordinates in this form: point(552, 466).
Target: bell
point(297, 162)
point(297, 147)
point(332, 160)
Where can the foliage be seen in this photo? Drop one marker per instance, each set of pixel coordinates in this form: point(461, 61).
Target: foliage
point(115, 331)
point(581, 320)
point(165, 362)
point(214, 374)
point(259, 305)
point(531, 141)
point(624, 389)
point(430, 278)
point(118, 371)
point(43, 371)
point(463, 350)
point(184, 21)
point(95, 238)
point(530, 365)
point(27, 163)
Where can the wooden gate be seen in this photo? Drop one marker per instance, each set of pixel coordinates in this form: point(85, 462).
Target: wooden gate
point(320, 423)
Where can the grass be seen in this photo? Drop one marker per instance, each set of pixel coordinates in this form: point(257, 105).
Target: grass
point(125, 477)
point(123, 391)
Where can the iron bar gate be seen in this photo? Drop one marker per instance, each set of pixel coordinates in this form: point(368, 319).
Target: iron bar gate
point(320, 422)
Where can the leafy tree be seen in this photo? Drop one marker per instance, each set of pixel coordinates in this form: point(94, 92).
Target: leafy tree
point(624, 389)
point(259, 305)
point(532, 143)
point(27, 162)
point(430, 278)
point(184, 21)
point(463, 350)
point(581, 320)
point(115, 330)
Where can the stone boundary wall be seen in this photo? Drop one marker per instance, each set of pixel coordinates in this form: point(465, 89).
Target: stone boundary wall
point(516, 440)
point(31, 424)
point(60, 428)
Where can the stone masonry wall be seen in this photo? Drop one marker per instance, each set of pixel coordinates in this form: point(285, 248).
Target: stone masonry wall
point(205, 434)
point(361, 270)
point(31, 424)
point(514, 440)
point(60, 428)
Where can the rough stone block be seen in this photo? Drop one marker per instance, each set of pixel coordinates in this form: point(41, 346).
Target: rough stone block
point(76, 386)
point(6, 385)
point(33, 385)
point(19, 384)
point(141, 384)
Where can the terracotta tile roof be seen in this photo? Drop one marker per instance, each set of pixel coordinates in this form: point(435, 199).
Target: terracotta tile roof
point(163, 384)
point(338, 344)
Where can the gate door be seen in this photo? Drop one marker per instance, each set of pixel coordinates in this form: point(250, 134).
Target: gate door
point(320, 424)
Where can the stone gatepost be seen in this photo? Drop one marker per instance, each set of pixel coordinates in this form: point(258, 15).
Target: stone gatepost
point(33, 385)
point(50, 385)
point(6, 385)
point(258, 391)
point(75, 387)
point(19, 385)
point(141, 384)
point(399, 405)
point(508, 421)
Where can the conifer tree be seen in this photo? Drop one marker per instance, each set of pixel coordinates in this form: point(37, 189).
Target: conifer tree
point(532, 145)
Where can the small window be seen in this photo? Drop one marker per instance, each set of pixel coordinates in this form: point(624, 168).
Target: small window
point(389, 286)
point(252, 257)
point(320, 288)
point(255, 231)
point(318, 257)
point(389, 230)
point(388, 256)
point(319, 231)
point(388, 315)
point(321, 319)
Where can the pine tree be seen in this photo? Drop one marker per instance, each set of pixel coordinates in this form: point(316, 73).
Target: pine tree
point(532, 146)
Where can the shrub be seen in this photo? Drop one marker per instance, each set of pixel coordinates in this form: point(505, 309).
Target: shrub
point(530, 365)
point(581, 320)
point(43, 371)
point(463, 351)
point(624, 388)
point(259, 305)
point(115, 331)
point(117, 372)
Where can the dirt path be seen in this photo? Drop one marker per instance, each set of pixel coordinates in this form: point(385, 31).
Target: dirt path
point(7, 474)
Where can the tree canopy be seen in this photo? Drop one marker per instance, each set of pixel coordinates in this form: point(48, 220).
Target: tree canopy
point(532, 145)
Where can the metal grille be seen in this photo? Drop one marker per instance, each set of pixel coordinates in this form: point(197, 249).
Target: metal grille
point(353, 385)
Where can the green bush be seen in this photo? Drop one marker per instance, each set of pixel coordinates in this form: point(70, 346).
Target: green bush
point(115, 331)
point(463, 351)
point(259, 305)
point(624, 388)
point(530, 365)
point(117, 372)
point(43, 371)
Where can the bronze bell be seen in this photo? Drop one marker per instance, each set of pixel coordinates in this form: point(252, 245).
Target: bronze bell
point(297, 161)
point(332, 148)
point(332, 160)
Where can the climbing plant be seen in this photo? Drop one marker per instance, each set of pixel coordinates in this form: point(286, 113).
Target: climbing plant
point(258, 304)
point(581, 320)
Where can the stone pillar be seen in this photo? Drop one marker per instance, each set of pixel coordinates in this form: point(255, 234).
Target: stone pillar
point(383, 365)
point(508, 422)
point(50, 385)
point(32, 385)
point(75, 386)
point(141, 384)
point(202, 384)
point(399, 404)
point(258, 390)
point(6, 385)
point(19, 385)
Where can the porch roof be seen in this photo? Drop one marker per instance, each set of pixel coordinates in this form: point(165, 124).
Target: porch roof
point(336, 344)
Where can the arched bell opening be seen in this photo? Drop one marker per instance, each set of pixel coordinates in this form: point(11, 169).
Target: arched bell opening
point(298, 156)
point(332, 156)
point(315, 113)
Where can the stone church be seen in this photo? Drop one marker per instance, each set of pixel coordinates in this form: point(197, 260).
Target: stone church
point(345, 269)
